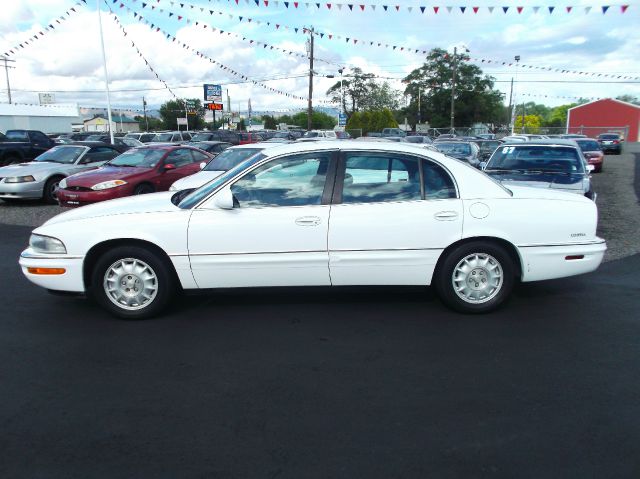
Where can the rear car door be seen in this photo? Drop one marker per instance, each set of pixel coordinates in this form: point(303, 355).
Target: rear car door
point(387, 225)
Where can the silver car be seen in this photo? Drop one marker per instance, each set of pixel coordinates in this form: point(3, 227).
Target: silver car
point(38, 179)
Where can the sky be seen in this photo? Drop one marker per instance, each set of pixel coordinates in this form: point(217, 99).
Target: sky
point(68, 60)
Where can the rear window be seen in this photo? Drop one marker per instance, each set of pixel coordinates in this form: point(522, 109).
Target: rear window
point(230, 158)
point(588, 145)
point(14, 135)
point(536, 157)
point(603, 137)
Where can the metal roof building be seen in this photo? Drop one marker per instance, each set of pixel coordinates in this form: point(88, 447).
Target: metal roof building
point(603, 116)
point(46, 118)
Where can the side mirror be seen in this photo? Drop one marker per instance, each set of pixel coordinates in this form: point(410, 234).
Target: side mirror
point(224, 199)
point(590, 168)
point(202, 165)
point(169, 167)
point(483, 165)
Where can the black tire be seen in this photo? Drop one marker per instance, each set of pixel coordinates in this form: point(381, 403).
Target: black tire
point(48, 195)
point(163, 286)
point(143, 189)
point(9, 159)
point(444, 277)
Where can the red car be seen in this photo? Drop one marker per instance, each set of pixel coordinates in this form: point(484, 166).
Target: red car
point(592, 152)
point(140, 170)
point(246, 138)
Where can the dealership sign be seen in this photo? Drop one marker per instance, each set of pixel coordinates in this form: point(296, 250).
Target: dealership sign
point(212, 92)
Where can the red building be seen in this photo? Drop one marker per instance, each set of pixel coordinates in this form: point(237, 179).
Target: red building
point(603, 116)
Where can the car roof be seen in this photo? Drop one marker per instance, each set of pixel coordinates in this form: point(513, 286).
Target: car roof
point(543, 142)
point(260, 144)
point(209, 142)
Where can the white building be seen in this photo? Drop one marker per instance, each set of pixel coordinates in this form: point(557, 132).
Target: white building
point(46, 118)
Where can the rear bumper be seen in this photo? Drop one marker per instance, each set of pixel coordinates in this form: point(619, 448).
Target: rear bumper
point(71, 280)
point(559, 261)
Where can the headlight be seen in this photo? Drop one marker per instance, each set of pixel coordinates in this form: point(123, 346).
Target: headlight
point(46, 244)
point(63, 183)
point(19, 179)
point(105, 185)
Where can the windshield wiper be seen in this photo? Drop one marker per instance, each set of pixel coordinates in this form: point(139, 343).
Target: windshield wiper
point(502, 170)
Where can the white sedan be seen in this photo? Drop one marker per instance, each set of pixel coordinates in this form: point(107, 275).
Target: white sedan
point(321, 214)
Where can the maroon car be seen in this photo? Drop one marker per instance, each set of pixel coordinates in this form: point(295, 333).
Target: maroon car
point(137, 171)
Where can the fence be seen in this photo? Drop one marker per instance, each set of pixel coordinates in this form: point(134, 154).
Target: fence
point(590, 131)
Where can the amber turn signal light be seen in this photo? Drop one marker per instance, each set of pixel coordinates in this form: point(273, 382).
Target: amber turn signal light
point(46, 270)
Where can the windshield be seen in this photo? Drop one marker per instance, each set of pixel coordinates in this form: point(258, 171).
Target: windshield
point(198, 195)
point(141, 157)
point(203, 137)
point(17, 136)
point(93, 138)
point(311, 134)
point(489, 145)
point(602, 137)
point(62, 154)
point(160, 137)
point(588, 145)
point(454, 148)
point(230, 158)
point(536, 158)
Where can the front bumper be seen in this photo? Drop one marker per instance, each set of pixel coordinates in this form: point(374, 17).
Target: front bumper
point(73, 199)
point(71, 280)
point(31, 190)
point(550, 261)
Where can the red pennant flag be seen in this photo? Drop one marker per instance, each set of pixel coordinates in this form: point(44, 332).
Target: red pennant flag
point(623, 8)
point(266, 3)
point(475, 9)
point(295, 4)
point(236, 2)
point(362, 7)
point(179, 17)
point(397, 8)
point(329, 6)
point(569, 9)
point(519, 9)
point(435, 9)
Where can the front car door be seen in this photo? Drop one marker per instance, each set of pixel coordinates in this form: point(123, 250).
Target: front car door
point(392, 215)
point(276, 234)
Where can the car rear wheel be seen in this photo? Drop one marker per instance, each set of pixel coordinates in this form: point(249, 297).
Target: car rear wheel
point(132, 282)
point(49, 191)
point(475, 277)
point(143, 189)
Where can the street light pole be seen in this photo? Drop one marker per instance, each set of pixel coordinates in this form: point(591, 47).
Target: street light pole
point(310, 106)
point(341, 92)
point(106, 74)
point(513, 92)
point(453, 87)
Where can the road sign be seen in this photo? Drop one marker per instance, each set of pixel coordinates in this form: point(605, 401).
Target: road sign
point(212, 92)
point(181, 121)
point(191, 104)
point(342, 119)
point(215, 106)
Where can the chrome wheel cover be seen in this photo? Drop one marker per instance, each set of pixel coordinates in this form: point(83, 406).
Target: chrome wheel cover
point(477, 278)
point(130, 284)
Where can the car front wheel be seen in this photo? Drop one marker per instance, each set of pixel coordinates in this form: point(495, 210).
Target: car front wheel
point(475, 277)
point(132, 282)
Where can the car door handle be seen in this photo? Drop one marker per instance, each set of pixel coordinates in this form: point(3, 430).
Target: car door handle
point(446, 215)
point(308, 221)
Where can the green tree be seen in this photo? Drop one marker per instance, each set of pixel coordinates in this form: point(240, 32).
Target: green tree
point(270, 122)
point(241, 125)
point(171, 110)
point(153, 122)
point(476, 100)
point(371, 121)
point(362, 92)
point(319, 120)
point(532, 123)
point(629, 99)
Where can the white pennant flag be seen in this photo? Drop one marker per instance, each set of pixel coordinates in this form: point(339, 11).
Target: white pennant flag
point(372, 7)
point(535, 9)
point(449, 9)
point(339, 5)
point(587, 9)
point(409, 8)
point(491, 9)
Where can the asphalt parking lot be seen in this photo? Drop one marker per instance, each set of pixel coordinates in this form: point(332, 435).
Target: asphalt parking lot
point(317, 383)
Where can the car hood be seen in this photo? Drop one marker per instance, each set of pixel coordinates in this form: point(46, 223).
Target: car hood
point(30, 168)
point(105, 173)
point(196, 180)
point(150, 203)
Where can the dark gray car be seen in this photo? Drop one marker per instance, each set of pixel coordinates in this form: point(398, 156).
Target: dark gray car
point(556, 164)
point(461, 150)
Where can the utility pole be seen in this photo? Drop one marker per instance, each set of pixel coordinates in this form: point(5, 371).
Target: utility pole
point(510, 99)
point(453, 87)
point(341, 92)
point(6, 72)
point(310, 107)
point(514, 109)
point(144, 108)
point(524, 113)
point(419, 106)
point(106, 75)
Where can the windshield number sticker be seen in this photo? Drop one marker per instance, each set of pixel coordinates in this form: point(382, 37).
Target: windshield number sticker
point(508, 150)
